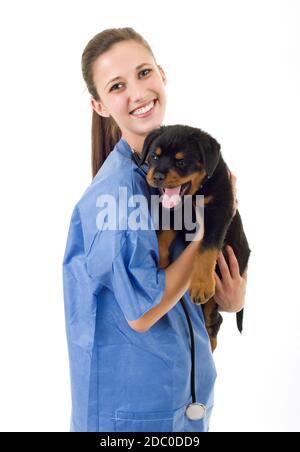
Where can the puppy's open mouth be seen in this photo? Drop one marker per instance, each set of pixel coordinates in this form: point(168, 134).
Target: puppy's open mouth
point(171, 197)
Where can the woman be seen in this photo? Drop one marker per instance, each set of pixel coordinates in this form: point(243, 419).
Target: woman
point(128, 337)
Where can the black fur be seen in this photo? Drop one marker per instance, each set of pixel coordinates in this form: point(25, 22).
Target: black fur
point(219, 225)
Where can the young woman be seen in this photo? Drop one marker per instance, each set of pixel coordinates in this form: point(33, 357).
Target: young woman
point(128, 337)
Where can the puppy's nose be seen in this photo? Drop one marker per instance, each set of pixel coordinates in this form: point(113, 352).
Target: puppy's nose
point(159, 177)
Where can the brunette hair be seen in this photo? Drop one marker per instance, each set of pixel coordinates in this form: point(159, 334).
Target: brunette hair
point(105, 131)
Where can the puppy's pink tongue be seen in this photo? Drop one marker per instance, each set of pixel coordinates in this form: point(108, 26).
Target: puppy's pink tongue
point(171, 197)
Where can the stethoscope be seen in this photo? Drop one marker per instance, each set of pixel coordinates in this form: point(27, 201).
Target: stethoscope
point(194, 411)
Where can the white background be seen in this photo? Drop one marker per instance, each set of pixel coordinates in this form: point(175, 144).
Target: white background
point(233, 69)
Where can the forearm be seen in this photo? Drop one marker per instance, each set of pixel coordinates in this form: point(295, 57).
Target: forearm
point(178, 279)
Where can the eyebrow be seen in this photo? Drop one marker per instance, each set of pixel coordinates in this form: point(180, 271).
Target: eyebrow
point(117, 78)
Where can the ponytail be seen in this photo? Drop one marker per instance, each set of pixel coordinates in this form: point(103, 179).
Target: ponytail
point(105, 135)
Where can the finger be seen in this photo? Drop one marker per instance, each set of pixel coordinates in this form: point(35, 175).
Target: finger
point(219, 290)
point(231, 175)
point(218, 281)
point(234, 191)
point(245, 275)
point(235, 206)
point(233, 178)
point(226, 276)
point(233, 263)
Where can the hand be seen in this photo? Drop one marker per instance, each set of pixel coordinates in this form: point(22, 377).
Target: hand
point(232, 178)
point(231, 289)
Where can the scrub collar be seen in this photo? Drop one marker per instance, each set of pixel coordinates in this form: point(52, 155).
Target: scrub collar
point(128, 152)
point(124, 148)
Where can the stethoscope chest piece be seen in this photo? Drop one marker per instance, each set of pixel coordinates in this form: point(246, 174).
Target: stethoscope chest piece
point(195, 411)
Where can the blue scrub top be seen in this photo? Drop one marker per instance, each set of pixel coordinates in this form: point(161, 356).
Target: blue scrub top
point(122, 380)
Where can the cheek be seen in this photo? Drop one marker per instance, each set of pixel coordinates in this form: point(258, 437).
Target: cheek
point(156, 85)
point(120, 104)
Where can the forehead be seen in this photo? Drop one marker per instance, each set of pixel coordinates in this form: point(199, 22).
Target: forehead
point(120, 60)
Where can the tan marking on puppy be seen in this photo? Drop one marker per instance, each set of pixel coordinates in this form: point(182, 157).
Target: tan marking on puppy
point(149, 177)
point(210, 310)
point(203, 282)
point(208, 199)
point(179, 155)
point(158, 151)
point(174, 180)
point(197, 179)
point(165, 239)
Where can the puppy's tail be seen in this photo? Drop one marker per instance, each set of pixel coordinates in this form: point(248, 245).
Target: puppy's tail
point(239, 320)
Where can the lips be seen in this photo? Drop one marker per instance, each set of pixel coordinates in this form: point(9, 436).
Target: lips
point(144, 105)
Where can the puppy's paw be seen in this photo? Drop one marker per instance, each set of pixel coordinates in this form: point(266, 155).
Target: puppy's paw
point(202, 290)
point(203, 282)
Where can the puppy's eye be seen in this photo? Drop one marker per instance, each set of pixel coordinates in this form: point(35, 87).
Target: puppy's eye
point(180, 163)
point(154, 157)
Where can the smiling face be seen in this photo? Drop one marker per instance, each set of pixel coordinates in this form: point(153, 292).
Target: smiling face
point(126, 78)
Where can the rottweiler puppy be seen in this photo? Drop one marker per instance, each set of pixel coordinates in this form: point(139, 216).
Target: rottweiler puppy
point(184, 160)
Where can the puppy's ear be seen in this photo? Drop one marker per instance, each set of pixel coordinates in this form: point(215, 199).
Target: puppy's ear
point(150, 138)
point(209, 153)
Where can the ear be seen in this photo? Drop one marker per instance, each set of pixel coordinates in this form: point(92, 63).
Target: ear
point(149, 140)
point(99, 108)
point(210, 154)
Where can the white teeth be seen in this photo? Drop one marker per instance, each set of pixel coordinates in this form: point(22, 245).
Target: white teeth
point(140, 111)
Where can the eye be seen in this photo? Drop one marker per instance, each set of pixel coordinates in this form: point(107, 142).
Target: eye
point(180, 163)
point(112, 88)
point(145, 70)
point(154, 157)
point(117, 84)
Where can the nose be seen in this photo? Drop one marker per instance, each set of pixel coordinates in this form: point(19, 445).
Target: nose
point(136, 92)
point(159, 177)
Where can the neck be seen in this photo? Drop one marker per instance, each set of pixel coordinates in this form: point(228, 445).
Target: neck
point(136, 144)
